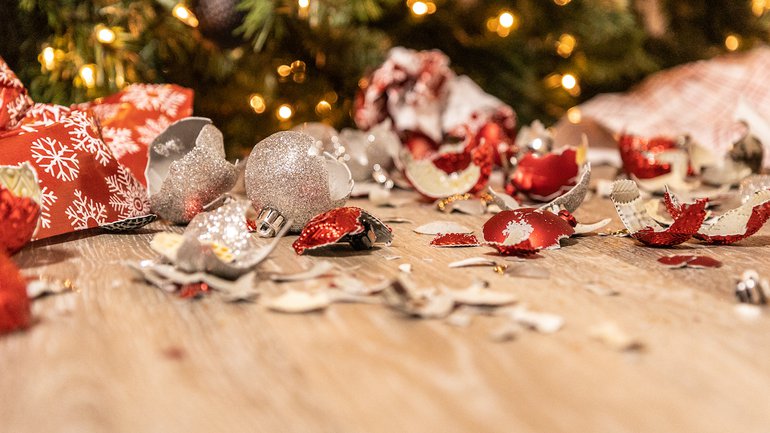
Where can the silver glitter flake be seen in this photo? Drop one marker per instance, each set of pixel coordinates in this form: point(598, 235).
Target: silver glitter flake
point(286, 172)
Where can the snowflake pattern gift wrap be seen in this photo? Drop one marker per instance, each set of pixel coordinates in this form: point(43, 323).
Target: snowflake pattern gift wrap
point(90, 159)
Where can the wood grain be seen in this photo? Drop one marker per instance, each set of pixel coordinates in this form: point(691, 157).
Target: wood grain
point(120, 356)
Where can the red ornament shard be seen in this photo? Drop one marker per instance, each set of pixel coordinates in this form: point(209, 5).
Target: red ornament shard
point(354, 225)
point(18, 220)
point(454, 240)
point(734, 225)
point(638, 155)
point(525, 231)
point(688, 261)
point(628, 203)
point(14, 303)
point(545, 177)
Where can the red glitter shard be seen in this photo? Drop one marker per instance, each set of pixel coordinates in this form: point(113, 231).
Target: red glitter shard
point(684, 227)
point(545, 177)
point(193, 290)
point(351, 224)
point(18, 220)
point(14, 304)
point(638, 155)
point(525, 231)
point(455, 240)
point(689, 261)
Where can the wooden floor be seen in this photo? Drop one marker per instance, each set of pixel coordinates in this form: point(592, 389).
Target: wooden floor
point(120, 356)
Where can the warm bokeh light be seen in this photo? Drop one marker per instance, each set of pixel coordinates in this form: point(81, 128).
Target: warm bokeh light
point(48, 58)
point(419, 8)
point(506, 20)
point(87, 73)
point(562, 2)
point(565, 45)
point(257, 103)
point(732, 42)
point(284, 112)
point(303, 4)
point(568, 81)
point(574, 115)
point(185, 15)
point(759, 7)
point(323, 108)
point(105, 35)
point(284, 70)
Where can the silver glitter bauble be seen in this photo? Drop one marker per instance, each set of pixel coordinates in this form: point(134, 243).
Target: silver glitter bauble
point(289, 178)
point(187, 169)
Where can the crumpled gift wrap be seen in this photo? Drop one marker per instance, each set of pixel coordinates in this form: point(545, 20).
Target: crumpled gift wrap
point(83, 182)
point(704, 99)
point(133, 117)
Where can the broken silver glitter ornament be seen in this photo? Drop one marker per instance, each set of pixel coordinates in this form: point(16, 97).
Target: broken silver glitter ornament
point(368, 151)
point(289, 178)
point(187, 169)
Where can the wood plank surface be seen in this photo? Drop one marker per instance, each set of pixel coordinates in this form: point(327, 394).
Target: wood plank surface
point(120, 356)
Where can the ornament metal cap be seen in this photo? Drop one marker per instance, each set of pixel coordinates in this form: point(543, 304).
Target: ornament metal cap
point(269, 222)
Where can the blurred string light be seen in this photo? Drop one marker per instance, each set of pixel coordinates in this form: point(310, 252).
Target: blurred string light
point(565, 45)
point(323, 108)
point(87, 73)
point(257, 103)
point(759, 7)
point(303, 8)
point(284, 112)
point(104, 34)
point(47, 58)
point(732, 42)
point(185, 15)
point(562, 2)
point(574, 115)
point(420, 8)
point(570, 83)
point(503, 23)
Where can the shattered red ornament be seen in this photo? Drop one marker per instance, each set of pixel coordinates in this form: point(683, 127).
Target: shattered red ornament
point(525, 231)
point(732, 226)
point(689, 261)
point(14, 303)
point(638, 155)
point(350, 224)
point(18, 220)
point(450, 173)
point(455, 240)
point(545, 177)
point(628, 202)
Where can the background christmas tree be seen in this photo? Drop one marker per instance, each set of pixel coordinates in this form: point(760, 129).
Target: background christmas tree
point(262, 65)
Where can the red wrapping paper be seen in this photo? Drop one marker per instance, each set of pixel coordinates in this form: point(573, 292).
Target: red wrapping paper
point(90, 158)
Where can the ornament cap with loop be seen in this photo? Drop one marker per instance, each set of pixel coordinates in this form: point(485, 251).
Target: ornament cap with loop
point(269, 222)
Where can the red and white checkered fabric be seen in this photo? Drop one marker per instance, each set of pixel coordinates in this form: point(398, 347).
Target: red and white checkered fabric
point(704, 99)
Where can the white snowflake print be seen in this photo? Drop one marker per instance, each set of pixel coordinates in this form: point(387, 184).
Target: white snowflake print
point(85, 136)
point(127, 196)
point(7, 77)
point(16, 109)
point(55, 159)
point(47, 199)
point(84, 210)
point(44, 115)
point(156, 97)
point(105, 111)
point(151, 129)
point(120, 141)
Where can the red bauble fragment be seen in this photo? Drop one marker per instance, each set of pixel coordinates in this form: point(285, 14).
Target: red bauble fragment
point(14, 303)
point(352, 224)
point(18, 220)
point(455, 240)
point(567, 216)
point(638, 155)
point(688, 261)
point(193, 290)
point(685, 226)
point(525, 230)
point(545, 177)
